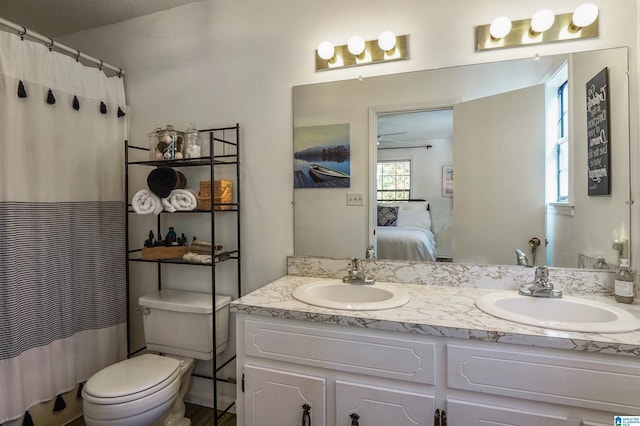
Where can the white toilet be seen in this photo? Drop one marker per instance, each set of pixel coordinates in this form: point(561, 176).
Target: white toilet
point(149, 389)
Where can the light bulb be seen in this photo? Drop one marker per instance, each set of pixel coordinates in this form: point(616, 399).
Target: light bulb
point(326, 50)
point(500, 27)
point(387, 41)
point(356, 45)
point(585, 15)
point(542, 20)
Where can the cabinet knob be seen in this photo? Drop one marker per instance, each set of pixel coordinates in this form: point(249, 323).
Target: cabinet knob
point(306, 415)
point(354, 419)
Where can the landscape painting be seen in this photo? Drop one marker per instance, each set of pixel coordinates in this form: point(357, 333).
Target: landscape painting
point(321, 156)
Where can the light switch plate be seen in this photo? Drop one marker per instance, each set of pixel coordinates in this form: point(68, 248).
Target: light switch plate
point(355, 199)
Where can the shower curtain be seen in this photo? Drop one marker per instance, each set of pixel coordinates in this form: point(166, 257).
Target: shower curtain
point(62, 251)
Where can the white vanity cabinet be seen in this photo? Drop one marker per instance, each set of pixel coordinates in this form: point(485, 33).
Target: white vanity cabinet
point(343, 374)
point(375, 405)
point(275, 397)
point(399, 378)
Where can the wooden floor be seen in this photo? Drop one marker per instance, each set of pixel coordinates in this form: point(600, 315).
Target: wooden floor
point(200, 416)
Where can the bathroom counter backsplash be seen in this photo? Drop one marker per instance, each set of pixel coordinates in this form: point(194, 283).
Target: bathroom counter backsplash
point(447, 307)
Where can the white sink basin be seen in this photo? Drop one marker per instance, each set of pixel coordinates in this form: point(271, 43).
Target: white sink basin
point(335, 294)
point(567, 313)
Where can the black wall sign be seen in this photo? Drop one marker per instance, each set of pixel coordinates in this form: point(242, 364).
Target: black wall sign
point(598, 128)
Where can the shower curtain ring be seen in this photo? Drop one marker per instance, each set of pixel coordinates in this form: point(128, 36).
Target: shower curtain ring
point(22, 33)
point(120, 73)
point(100, 65)
point(77, 55)
point(50, 44)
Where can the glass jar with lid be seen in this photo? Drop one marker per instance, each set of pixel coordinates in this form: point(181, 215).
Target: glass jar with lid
point(168, 144)
point(191, 148)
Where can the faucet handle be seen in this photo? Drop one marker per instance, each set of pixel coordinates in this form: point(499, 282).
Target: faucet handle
point(542, 274)
point(356, 264)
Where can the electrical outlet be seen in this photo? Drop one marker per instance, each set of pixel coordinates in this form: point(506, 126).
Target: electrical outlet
point(355, 199)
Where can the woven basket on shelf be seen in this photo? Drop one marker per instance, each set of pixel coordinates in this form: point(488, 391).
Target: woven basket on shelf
point(223, 194)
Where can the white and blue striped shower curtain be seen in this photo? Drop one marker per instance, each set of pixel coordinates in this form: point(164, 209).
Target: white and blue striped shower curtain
point(62, 250)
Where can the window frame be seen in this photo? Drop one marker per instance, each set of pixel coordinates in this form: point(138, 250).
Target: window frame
point(562, 175)
point(408, 175)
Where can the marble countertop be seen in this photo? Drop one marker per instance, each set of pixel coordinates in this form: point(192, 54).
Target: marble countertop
point(445, 311)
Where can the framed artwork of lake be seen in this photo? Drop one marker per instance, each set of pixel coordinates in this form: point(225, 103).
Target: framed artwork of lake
point(321, 156)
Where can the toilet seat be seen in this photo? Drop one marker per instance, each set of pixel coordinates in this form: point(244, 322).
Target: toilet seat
point(131, 379)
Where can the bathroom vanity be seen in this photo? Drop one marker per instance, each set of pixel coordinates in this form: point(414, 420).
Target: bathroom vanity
point(436, 355)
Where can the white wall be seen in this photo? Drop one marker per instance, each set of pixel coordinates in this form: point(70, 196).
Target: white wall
point(218, 62)
point(226, 61)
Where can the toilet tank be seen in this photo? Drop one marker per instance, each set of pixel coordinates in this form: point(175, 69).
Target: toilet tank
point(181, 323)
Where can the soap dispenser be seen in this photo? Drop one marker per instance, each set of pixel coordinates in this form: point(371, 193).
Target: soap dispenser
point(624, 289)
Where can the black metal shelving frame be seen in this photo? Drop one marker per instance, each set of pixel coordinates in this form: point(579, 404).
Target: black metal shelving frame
point(217, 136)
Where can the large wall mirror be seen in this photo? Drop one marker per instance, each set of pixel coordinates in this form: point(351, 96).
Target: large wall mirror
point(499, 152)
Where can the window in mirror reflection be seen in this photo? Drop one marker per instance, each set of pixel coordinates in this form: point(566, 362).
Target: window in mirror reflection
point(562, 146)
point(558, 137)
point(394, 180)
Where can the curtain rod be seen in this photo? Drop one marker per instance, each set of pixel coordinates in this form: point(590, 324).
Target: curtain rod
point(50, 43)
point(408, 147)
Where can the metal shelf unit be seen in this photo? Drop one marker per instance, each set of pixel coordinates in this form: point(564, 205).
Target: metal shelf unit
point(220, 139)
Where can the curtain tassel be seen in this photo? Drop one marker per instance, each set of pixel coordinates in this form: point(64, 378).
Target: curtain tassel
point(50, 98)
point(79, 392)
point(22, 93)
point(121, 113)
point(76, 103)
point(27, 420)
point(59, 405)
point(103, 107)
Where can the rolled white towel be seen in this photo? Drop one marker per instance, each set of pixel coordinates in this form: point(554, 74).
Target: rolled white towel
point(146, 202)
point(180, 199)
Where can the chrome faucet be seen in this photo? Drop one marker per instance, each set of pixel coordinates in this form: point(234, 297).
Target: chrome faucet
point(356, 274)
point(521, 258)
point(541, 286)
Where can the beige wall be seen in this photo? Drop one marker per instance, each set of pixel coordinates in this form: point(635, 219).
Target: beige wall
point(218, 62)
point(224, 61)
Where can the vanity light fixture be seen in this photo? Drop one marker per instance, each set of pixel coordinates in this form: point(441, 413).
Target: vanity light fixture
point(326, 51)
point(541, 21)
point(356, 46)
point(584, 15)
point(500, 27)
point(543, 27)
point(387, 41)
point(388, 47)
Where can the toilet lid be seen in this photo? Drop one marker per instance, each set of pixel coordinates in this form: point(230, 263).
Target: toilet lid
point(132, 378)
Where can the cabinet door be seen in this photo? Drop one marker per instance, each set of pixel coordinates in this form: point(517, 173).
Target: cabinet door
point(276, 397)
point(380, 406)
point(475, 414)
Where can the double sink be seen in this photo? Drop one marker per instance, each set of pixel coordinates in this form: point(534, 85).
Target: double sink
point(567, 313)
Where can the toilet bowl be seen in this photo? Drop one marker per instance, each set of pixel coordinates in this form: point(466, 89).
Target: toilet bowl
point(149, 389)
point(135, 392)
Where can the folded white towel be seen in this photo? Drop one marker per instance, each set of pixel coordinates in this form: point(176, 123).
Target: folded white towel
point(146, 202)
point(180, 199)
point(197, 258)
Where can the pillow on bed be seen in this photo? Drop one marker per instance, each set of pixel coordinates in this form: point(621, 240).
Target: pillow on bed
point(415, 206)
point(414, 218)
point(387, 215)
